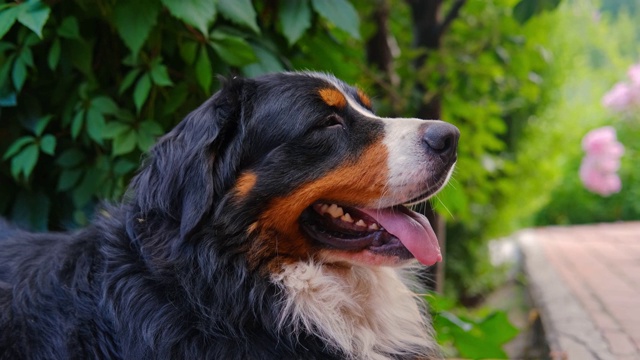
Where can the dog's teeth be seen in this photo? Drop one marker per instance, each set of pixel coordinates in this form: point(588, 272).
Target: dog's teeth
point(347, 218)
point(335, 211)
point(323, 208)
point(374, 226)
point(361, 223)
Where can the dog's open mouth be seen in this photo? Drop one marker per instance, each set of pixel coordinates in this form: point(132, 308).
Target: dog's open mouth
point(394, 231)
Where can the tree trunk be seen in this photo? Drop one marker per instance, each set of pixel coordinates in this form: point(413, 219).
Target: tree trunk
point(428, 28)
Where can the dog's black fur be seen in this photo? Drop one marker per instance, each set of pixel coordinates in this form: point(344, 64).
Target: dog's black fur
point(167, 273)
point(163, 276)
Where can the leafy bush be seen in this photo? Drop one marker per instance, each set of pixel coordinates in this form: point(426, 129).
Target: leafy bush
point(597, 60)
point(87, 86)
point(471, 336)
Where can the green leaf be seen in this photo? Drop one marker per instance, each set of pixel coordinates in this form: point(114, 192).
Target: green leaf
point(54, 54)
point(30, 40)
point(71, 158)
point(95, 124)
point(160, 75)
point(240, 12)
point(295, 19)
point(340, 13)
point(69, 28)
point(105, 105)
point(19, 74)
point(175, 98)
point(34, 15)
point(76, 124)
point(124, 143)
point(188, 51)
point(4, 46)
point(124, 166)
point(199, 13)
point(128, 80)
point(526, 9)
point(26, 56)
point(115, 129)
point(268, 62)
point(48, 144)
point(233, 50)
point(151, 127)
point(8, 16)
point(145, 141)
point(17, 145)
point(498, 328)
point(81, 54)
point(141, 92)
point(25, 161)
point(147, 134)
point(84, 191)
point(68, 178)
point(134, 21)
point(204, 72)
point(41, 124)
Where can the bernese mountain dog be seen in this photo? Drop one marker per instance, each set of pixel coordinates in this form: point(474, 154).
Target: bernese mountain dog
point(268, 224)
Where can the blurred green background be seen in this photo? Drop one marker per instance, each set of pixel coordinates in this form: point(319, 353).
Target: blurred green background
point(86, 86)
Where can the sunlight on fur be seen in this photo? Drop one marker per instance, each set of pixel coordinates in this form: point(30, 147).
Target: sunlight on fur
point(369, 313)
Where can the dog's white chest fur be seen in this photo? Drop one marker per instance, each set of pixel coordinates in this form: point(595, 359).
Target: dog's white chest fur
point(368, 313)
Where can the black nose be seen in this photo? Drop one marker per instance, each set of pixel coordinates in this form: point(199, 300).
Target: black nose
point(441, 138)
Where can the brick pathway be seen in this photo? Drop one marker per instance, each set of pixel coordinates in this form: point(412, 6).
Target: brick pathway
point(585, 281)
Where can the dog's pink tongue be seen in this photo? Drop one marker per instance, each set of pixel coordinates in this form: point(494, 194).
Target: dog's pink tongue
point(412, 229)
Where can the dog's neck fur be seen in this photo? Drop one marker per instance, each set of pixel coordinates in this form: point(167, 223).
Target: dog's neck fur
point(365, 313)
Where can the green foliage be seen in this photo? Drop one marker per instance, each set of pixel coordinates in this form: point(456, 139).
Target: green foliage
point(597, 53)
point(471, 336)
point(87, 86)
point(571, 203)
point(525, 9)
point(295, 19)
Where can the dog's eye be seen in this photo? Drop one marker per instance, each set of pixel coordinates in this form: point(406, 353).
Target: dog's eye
point(332, 121)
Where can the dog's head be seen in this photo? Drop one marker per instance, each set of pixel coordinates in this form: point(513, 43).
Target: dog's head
point(295, 166)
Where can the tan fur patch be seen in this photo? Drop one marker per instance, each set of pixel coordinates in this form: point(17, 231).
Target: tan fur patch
point(364, 98)
point(245, 183)
point(360, 182)
point(333, 97)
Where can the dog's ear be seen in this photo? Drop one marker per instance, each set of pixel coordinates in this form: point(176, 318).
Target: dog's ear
point(178, 183)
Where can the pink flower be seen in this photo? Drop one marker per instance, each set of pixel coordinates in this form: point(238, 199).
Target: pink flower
point(599, 167)
point(634, 74)
point(625, 96)
point(619, 98)
point(602, 141)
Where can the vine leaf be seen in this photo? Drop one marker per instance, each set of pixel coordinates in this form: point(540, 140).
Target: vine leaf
point(131, 26)
point(340, 13)
point(34, 15)
point(240, 12)
point(198, 13)
point(295, 19)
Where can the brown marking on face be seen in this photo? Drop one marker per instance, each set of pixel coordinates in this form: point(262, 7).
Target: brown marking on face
point(364, 98)
point(245, 183)
point(357, 183)
point(333, 97)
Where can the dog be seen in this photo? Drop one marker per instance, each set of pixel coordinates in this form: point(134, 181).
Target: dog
point(268, 224)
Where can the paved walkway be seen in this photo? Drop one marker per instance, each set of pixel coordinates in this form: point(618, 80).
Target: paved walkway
point(585, 282)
